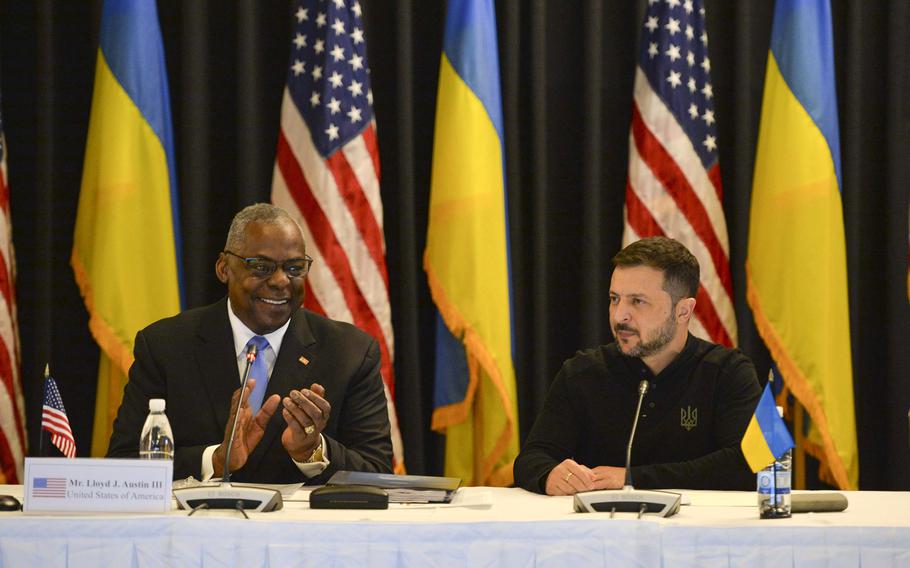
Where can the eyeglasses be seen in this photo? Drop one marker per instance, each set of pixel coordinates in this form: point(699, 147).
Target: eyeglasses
point(261, 267)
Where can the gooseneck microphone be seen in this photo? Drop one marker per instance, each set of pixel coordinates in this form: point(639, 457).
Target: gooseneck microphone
point(628, 499)
point(224, 495)
point(251, 353)
point(642, 391)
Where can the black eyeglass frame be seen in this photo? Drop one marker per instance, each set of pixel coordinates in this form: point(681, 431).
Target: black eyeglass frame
point(274, 264)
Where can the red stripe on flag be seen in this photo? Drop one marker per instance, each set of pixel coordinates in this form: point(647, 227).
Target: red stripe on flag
point(639, 217)
point(709, 318)
point(677, 186)
point(331, 249)
point(311, 302)
point(60, 426)
point(8, 461)
point(7, 273)
point(360, 210)
point(8, 376)
point(4, 192)
point(644, 224)
point(714, 176)
point(56, 425)
point(65, 445)
point(6, 268)
point(5, 288)
point(369, 138)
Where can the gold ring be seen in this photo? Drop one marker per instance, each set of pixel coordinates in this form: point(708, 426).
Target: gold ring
point(568, 475)
point(309, 429)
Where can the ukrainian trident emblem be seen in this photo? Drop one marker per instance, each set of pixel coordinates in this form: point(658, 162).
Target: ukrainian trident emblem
point(688, 417)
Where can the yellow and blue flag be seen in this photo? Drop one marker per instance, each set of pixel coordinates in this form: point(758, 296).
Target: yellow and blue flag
point(126, 243)
point(767, 437)
point(467, 255)
point(796, 266)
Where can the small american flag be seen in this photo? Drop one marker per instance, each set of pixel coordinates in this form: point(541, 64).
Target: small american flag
point(327, 176)
point(54, 487)
point(674, 186)
point(54, 420)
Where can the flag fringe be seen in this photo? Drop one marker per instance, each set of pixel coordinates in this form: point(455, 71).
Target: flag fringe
point(801, 440)
point(113, 346)
point(477, 354)
point(798, 383)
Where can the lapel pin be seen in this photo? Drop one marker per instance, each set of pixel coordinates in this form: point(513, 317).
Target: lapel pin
point(304, 360)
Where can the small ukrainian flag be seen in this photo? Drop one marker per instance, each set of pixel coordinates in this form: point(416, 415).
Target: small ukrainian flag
point(767, 437)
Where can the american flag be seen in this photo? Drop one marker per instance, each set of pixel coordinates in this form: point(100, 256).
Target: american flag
point(12, 407)
point(674, 186)
point(327, 175)
point(54, 487)
point(54, 420)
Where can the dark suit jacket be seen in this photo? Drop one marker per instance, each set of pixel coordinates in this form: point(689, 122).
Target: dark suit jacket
point(189, 360)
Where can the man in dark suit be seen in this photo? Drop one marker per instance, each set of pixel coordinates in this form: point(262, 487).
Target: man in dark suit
point(323, 375)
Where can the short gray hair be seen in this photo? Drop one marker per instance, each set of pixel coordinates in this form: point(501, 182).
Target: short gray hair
point(256, 213)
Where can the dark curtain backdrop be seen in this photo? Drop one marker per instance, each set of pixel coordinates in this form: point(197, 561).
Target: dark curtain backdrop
point(567, 71)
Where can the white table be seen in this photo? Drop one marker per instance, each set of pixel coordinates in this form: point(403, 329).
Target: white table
point(515, 528)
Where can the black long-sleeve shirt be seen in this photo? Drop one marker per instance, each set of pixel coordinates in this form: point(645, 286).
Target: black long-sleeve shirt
point(692, 419)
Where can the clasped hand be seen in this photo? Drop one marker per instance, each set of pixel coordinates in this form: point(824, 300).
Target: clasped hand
point(570, 477)
point(305, 411)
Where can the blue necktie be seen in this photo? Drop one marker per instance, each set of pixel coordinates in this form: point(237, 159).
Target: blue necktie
point(259, 371)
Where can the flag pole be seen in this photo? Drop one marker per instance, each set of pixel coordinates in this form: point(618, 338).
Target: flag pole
point(47, 372)
point(774, 494)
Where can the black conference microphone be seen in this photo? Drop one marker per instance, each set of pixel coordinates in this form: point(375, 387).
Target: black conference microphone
point(225, 495)
point(628, 499)
point(251, 353)
point(642, 391)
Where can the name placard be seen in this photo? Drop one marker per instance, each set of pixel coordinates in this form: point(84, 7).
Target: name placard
point(84, 485)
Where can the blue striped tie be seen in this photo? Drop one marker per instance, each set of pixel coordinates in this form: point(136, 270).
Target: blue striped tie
point(259, 371)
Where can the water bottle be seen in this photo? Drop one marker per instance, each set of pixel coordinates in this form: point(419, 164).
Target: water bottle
point(157, 441)
point(774, 486)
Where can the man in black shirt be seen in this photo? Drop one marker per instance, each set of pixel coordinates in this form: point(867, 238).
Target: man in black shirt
point(700, 400)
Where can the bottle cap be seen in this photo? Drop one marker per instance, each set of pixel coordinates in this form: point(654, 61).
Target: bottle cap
point(156, 404)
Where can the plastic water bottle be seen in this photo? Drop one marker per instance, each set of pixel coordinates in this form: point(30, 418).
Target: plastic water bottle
point(774, 486)
point(157, 441)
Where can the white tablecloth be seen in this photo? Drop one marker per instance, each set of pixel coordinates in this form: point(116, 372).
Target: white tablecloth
point(513, 528)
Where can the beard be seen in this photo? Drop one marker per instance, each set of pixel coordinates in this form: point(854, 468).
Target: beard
point(655, 344)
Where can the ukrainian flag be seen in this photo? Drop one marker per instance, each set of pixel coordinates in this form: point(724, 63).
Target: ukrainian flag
point(467, 255)
point(125, 250)
point(796, 266)
point(767, 437)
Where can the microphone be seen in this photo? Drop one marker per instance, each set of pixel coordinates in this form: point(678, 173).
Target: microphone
point(251, 353)
point(628, 499)
point(642, 391)
point(225, 495)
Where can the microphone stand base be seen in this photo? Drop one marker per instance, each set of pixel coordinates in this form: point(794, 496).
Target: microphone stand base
point(227, 496)
point(643, 502)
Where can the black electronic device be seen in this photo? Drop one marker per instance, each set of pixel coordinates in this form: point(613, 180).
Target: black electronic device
point(402, 488)
point(628, 499)
point(9, 503)
point(349, 497)
point(225, 495)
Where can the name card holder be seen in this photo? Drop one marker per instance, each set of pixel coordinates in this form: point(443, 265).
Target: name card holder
point(95, 485)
